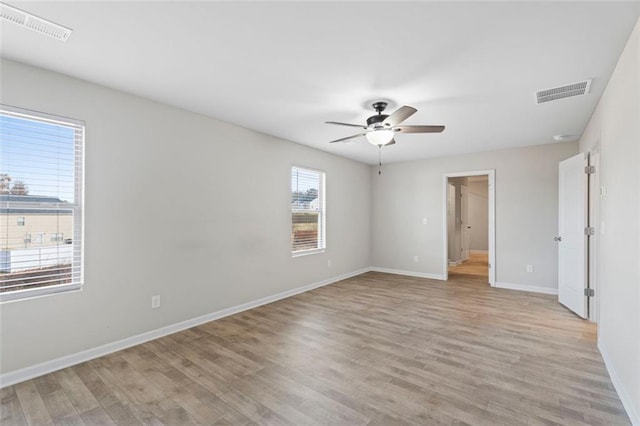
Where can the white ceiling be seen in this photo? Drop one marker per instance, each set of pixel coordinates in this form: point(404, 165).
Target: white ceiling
point(285, 68)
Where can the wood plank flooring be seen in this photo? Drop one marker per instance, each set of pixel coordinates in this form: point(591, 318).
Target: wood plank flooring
point(377, 349)
point(477, 264)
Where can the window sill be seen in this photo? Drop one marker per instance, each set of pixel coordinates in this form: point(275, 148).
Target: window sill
point(34, 293)
point(307, 252)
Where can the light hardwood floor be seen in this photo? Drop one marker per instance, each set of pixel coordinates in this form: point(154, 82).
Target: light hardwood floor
point(477, 264)
point(377, 349)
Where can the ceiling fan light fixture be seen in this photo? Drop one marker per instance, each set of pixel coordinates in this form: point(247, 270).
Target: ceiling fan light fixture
point(380, 137)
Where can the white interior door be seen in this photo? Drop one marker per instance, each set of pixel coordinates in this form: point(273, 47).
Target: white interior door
point(464, 223)
point(572, 240)
point(451, 222)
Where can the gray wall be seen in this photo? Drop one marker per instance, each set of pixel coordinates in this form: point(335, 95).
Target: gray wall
point(479, 214)
point(526, 212)
point(614, 130)
point(180, 205)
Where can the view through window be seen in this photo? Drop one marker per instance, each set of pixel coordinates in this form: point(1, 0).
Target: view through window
point(307, 211)
point(41, 173)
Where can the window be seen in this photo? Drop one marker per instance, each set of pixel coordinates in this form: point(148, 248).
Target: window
point(41, 185)
point(307, 211)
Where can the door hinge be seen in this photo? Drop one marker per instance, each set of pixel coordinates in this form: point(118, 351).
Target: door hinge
point(589, 169)
point(589, 292)
point(489, 266)
point(589, 230)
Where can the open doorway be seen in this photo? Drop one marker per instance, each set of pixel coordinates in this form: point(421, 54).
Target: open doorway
point(470, 224)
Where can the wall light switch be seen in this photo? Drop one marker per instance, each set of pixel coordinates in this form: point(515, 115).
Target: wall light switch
point(416, 259)
point(425, 220)
point(155, 301)
point(529, 268)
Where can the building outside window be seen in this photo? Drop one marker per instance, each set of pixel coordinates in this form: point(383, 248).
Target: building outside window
point(41, 203)
point(308, 230)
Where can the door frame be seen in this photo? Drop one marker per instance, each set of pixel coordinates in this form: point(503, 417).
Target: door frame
point(593, 243)
point(491, 175)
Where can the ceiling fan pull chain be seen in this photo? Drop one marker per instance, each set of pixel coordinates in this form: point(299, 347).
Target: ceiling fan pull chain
point(379, 159)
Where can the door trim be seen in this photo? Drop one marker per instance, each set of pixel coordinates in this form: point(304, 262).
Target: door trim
point(593, 244)
point(491, 175)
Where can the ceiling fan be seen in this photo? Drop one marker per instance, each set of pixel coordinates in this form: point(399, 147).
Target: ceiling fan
point(381, 128)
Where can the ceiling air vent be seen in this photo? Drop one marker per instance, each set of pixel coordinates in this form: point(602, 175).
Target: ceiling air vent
point(32, 22)
point(566, 91)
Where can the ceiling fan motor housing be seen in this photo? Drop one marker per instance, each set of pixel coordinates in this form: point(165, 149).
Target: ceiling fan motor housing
point(374, 119)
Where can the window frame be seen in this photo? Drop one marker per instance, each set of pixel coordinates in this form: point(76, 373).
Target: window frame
point(77, 208)
point(322, 212)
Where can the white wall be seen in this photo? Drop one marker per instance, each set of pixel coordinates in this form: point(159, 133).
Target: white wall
point(614, 130)
point(177, 204)
point(526, 212)
point(479, 214)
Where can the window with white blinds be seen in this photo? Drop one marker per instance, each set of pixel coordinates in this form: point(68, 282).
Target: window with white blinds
point(41, 191)
point(307, 211)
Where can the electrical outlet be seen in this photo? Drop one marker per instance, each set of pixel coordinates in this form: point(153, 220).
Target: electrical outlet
point(529, 268)
point(155, 301)
point(416, 259)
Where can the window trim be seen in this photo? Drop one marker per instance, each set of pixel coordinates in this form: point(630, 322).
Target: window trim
point(77, 207)
point(323, 212)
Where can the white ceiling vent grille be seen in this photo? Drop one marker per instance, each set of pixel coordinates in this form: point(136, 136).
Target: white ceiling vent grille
point(566, 91)
point(32, 22)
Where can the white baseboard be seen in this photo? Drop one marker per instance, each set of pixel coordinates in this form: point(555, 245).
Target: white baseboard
point(524, 287)
point(17, 376)
point(408, 273)
point(479, 251)
point(634, 416)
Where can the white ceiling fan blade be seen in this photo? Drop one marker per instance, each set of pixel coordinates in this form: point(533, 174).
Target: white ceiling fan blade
point(346, 124)
point(399, 116)
point(418, 129)
point(348, 137)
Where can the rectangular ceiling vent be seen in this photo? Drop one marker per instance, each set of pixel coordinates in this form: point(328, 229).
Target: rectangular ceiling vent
point(566, 91)
point(35, 23)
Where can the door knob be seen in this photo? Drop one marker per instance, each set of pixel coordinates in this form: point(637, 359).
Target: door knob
point(557, 238)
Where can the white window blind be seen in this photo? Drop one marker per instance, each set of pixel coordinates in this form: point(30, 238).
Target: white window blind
point(41, 200)
point(307, 211)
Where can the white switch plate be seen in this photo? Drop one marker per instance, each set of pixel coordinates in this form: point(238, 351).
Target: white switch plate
point(416, 259)
point(425, 220)
point(529, 268)
point(329, 263)
point(155, 301)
